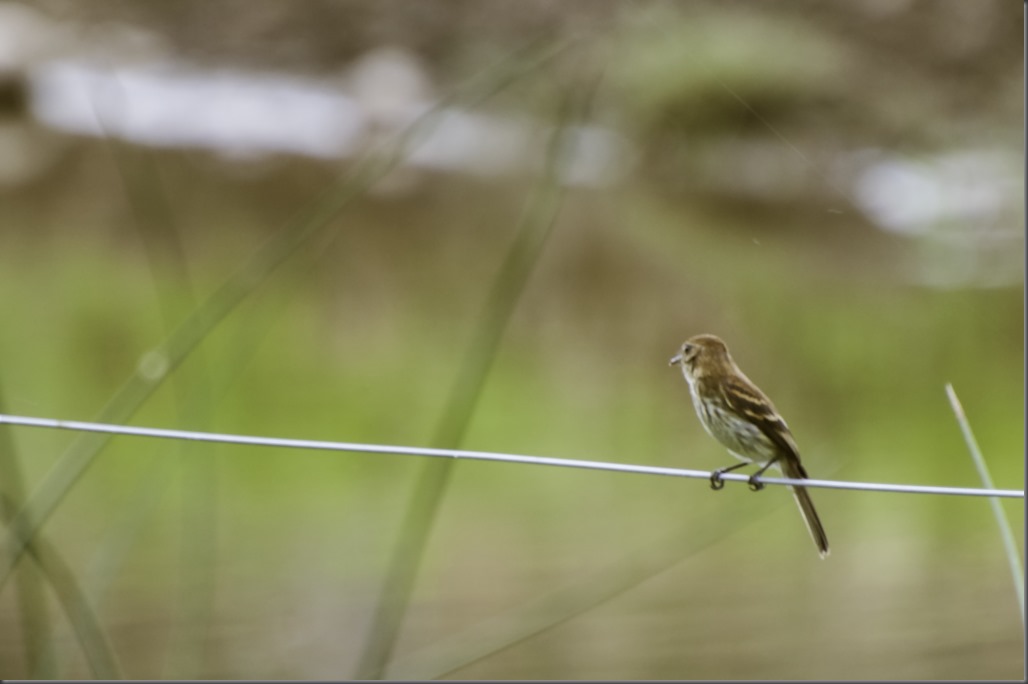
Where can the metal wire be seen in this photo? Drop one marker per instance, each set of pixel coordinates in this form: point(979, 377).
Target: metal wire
point(250, 440)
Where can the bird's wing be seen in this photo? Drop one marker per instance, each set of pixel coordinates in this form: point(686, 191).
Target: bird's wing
point(747, 400)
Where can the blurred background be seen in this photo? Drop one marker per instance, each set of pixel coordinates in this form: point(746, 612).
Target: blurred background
point(488, 225)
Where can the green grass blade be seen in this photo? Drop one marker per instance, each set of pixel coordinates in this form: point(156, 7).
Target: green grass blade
point(255, 271)
point(162, 244)
point(1009, 544)
point(35, 621)
point(534, 228)
point(585, 592)
point(103, 664)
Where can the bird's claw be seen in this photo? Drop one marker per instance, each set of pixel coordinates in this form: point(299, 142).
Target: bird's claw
point(716, 482)
point(755, 484)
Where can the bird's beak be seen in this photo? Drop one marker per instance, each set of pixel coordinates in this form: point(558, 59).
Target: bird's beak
point(676, 359)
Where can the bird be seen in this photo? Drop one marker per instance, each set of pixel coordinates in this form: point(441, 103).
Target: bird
point(737, 414)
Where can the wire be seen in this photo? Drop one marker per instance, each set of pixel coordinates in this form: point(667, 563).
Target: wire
point(250, 440)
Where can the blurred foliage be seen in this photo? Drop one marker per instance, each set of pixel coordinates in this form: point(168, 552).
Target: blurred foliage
point(359, 338)
point(677, 79)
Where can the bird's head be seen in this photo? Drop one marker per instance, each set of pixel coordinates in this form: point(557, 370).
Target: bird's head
point(701, 355)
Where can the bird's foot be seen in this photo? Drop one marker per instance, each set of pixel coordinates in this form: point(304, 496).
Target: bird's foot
point(716, 482)
point(755, 484)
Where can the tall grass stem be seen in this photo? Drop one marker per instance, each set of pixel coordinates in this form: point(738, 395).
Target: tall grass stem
point(1006, 534)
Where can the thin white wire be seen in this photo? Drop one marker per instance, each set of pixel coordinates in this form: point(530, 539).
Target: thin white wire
point(250, 440)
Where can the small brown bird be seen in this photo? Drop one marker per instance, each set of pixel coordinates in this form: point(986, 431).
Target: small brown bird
point(736, 413)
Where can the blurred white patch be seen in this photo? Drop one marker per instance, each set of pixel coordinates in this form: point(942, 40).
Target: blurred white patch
point(899, 196)
point(598, 157)
point(964, 207)
point(172, 106)
point(907, 196)
point(26, 36)
point(153, 365)
point(246, 114)
point(390, 84)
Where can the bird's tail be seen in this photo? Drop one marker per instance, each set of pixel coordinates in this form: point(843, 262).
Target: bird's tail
point(794, 470)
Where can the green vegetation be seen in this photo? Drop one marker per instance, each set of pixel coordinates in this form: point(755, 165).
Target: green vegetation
point(224, 561)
